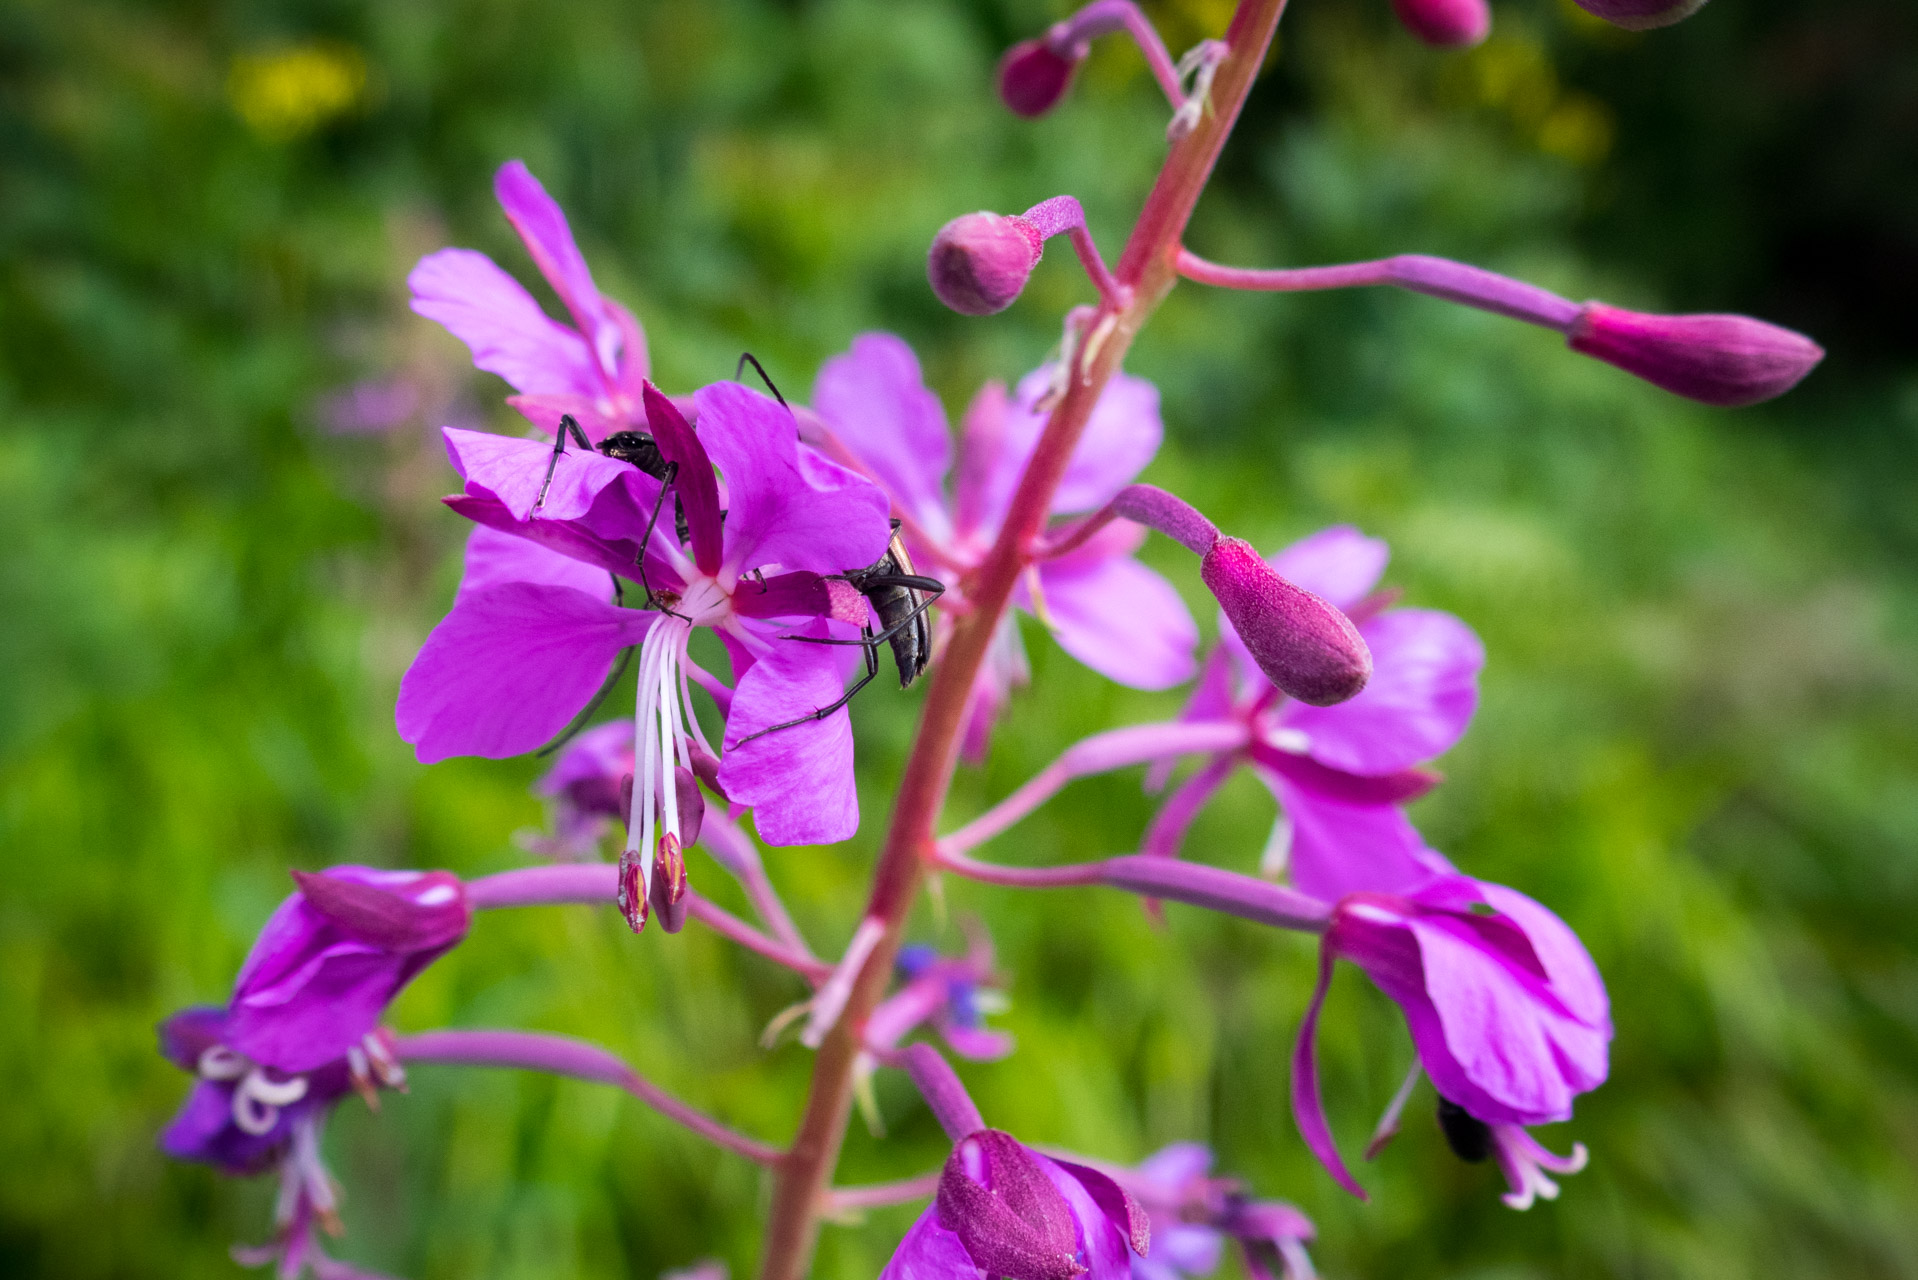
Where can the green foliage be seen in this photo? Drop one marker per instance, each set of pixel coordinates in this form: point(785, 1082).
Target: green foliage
point(1696, 742)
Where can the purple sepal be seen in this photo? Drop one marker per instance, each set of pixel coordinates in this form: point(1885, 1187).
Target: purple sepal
point(1722, 360)
point(1120, 1207)
point(1641, 15)
point(1010, 1218)
point(979, 262)
point(191, 1032)
point(1304, 645)
point(1446, 24)
point(416, 920)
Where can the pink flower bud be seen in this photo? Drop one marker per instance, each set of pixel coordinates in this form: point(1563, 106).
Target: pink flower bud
point(1033, 76)
point(1306, 647)
point(1445, 23)
point(979, 262)
point(1718, 359)
point(1641, 15)
point(669, 885)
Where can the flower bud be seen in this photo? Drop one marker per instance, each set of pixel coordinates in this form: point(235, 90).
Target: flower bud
point(1033, 76)
point(1641, 15)
point(1445, 23)
point(668, 893)
point(979, 262)
point(1721, 360)
point(1007, 1214)
point(632, 892)
point(1304, 645)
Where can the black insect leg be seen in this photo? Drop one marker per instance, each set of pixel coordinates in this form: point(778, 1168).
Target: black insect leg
point(747, 358)
point(646, 540)
point(566, 423)
point(872, 672)
point(871, 641)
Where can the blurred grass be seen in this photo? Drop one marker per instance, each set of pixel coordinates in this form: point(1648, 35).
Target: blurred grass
point(1697, 741)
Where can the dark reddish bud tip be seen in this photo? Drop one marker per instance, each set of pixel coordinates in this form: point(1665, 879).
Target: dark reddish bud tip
point(1448, 24)
point(1007, 1214)
point(669, 884)
point(1641, 15)
point(979, 262)
point(1717, 359)
point(632, 894)
point(1033, 76)
point(1306, 647)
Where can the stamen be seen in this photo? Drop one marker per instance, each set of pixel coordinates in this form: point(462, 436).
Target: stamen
point(278, 1093)
point(218, 1062)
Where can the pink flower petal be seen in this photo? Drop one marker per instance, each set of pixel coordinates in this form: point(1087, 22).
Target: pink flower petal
point(1421, 696)
point(878, 406)
point(509, 667)
point(494, 557)
point(509, 335)
point(1308, 1108)
point(513, 470)
point(1341, 564)
point(1339, 849)
point(798, 780)
point(542, 225)
point(1121, 437)
point(1121, 619)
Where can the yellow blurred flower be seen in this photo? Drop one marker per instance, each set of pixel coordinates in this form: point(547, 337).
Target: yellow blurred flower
point(289, 92)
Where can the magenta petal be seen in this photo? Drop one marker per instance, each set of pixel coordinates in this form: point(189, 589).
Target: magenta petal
point(1121, 437)
point(508, 667)
point(1574, 978)
point(545, 412)
point(1340, 564)
point(1421, 696)
point(776, 514)
point(513, 470)
point(494, 557)
point(799, 780)
point(1121, 619)
point(509, 335)
point(878, 406)
point(1308, 1108)
point(1126, 1215)
point(542, 225)
point(801, 595)
point(930, 1252)
point(694, 483)
point(1339, 849)
point(1103, 1243)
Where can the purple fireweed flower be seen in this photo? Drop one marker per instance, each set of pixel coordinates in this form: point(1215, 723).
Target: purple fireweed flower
point(1641, 15)
point(1194, 1214)
point(587, 787)
point(952, 995)
point(532, 635)
point(1105, 608)
point(1004, 1210)
point(1506, 1009)
point(1339, 773)
point(594, 368)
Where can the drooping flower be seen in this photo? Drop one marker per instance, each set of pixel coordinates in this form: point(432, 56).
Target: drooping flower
point(594, 368)
point(1105, 608)
point(1004, 1210)
point(532, 634)
point(1339, 773)
point(1523, 1160)
point(1194, 1214)
point(301, 1031)
point(1506, 1009)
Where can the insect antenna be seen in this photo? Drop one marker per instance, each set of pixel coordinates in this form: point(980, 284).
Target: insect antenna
point(747, 358)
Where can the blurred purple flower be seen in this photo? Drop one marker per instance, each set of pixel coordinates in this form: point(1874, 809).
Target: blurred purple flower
point(1105, 608)
point(1506, 1009)
point(532, 634)
point(947, 993)
point(1004, 1210)
point(594, 368)
point(587, 788)
point(1339, 773)
point(1193, 1214)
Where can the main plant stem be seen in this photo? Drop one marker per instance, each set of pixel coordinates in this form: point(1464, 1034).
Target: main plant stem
point(1147, 270)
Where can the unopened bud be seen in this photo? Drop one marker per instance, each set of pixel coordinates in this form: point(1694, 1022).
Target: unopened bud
point(1445, 23)
point(979, 262)
point(632, 893)
point(692, 805)
point(1009, 1217)
point(1033, 76)
point(669, 883)
point(1641, 15)
point(1718, 359)
point(1304, 645)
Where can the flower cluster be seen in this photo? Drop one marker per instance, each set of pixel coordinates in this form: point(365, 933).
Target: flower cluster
point(802, 538)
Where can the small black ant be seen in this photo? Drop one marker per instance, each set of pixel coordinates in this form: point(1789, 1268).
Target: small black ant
point(900, 598)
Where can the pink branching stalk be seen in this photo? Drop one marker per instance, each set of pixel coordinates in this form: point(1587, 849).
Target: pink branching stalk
point(792, 533)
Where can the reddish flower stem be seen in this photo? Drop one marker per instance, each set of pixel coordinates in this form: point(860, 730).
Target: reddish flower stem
point(1146, 270)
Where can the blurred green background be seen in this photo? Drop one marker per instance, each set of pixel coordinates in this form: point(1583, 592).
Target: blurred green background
point(1700, 715)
